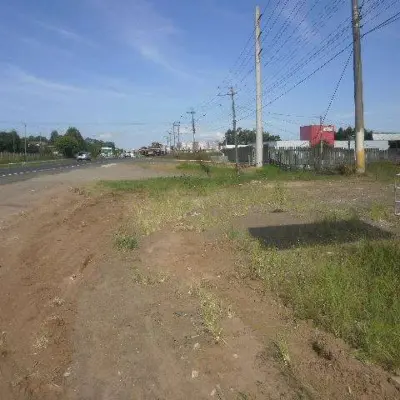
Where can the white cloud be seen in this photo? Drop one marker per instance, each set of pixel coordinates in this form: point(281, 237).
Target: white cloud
point(40, 46)
point(18, 79)
point(26, 80)
point(141, 26)
point(105, 136)
point(65, 33)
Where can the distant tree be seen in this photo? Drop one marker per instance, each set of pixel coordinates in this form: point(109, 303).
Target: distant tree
point(10, 141)
point(156, 145)
point(247, 136)
point(74, 133)
point(67, 145)
point(109, 144)
point(53, 136)
point(349, 134)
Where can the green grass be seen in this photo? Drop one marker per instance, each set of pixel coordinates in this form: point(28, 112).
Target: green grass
point(379, 212)
point(384, 171)
point(8, 163)
point(126, 242)
point(201, 181)
point(349, 290)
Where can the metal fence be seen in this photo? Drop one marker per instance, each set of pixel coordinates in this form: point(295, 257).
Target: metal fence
point(308, 157)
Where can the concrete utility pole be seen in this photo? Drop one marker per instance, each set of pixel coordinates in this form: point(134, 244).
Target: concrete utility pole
point(232, 95)
point(177, 134)
point(259, 126)
point(193, 129)
point(25, 142)
point(173, 133)
point(358, 89)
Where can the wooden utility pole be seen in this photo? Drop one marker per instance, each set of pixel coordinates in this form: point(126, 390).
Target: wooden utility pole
point(259, 127)
point(358, 89)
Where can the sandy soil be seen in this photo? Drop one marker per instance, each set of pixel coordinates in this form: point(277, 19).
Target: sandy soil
point(80, 320)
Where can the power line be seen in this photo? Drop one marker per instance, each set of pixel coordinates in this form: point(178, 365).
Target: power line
point(388, 21)
point(304, 79)
point(337, 86)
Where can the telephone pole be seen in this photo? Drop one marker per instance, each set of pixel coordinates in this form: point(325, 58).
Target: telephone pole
point(173, 133)
point(358, 89)
point(259, 127)
point(234, 127)
point(25, 142)
point(193, 129)
point(177, 135)
point(232, 93)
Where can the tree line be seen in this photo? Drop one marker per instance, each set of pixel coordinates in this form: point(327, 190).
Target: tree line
point(350, 133)
point(247, 136)
point(68, 144)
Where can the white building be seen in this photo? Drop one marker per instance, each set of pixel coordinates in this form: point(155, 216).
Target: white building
point(368, 144)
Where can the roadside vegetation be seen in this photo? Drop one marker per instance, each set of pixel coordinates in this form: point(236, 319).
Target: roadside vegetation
point(344, 279)
point(350, 290)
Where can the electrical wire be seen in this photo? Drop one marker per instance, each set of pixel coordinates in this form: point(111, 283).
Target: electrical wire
point(337, 86)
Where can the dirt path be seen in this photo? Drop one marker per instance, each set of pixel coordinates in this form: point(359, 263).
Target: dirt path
point(19, 197)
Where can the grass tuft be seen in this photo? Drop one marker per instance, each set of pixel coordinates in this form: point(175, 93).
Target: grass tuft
point(282, 350)
point(211, 310)
point(378, 212)
point(126, 242)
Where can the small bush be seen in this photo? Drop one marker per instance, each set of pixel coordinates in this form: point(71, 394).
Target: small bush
point(346, 169)
point(126, 242)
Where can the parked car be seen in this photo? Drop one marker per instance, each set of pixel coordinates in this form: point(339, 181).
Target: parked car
point(83, 156)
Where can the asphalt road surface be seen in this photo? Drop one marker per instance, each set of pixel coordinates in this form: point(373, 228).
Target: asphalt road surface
point(19, 173)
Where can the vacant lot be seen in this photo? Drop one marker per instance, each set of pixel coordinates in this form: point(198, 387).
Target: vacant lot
point(269, 285)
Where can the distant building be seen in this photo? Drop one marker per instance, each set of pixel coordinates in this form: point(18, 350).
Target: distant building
point(368, 144)
point(287, 144)
point(393, 138)
point(315, 133)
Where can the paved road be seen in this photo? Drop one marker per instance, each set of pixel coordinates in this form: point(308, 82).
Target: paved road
point(20, 173)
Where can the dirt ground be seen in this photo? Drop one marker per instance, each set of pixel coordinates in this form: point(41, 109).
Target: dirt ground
point(80, 320)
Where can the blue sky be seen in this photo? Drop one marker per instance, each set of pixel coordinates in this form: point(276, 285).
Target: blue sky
point(124, 70)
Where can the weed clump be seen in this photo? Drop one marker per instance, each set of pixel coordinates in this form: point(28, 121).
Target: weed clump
point(126, 242)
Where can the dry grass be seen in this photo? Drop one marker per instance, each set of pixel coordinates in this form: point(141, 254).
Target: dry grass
point(141, 278)
point(211, 311)
point(281, 350)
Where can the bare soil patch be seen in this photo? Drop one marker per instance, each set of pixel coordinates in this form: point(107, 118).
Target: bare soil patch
point(82, 320)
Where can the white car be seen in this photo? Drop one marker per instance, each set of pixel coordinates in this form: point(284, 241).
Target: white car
point(83, 156)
